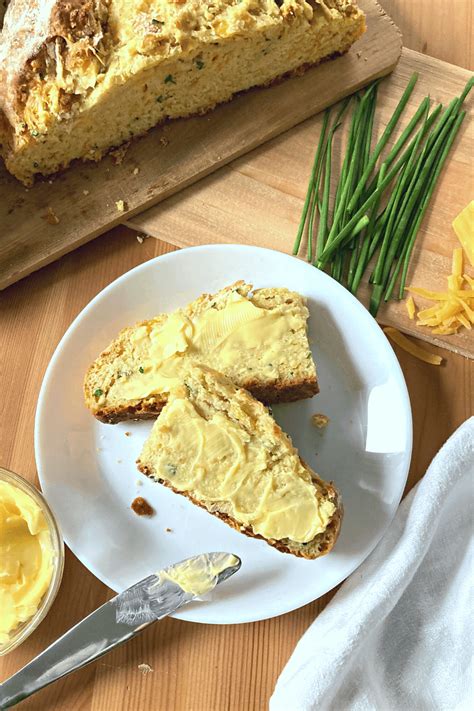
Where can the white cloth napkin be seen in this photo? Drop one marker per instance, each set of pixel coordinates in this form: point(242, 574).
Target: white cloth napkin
point(398, 635)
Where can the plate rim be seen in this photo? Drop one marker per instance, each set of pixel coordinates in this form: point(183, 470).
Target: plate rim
point(170, 256)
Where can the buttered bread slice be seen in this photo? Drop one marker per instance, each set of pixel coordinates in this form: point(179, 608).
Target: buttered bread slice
point(217, 445)
point(256, 338)
point(78, 77)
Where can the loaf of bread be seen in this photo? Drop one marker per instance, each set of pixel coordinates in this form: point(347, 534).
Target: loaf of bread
point(78, 77)
point(218, 446)
point(257, 338)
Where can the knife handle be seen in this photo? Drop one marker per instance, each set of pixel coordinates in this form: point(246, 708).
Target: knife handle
point(89, 639)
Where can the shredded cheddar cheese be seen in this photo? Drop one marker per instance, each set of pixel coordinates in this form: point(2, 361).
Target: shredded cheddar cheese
point(454, 308)
point(411, 347)
point(463, 226)
point(411, 308)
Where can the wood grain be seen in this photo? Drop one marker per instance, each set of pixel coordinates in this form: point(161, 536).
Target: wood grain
point(438, 28)
point(196, 667)
point(271, 183)
point(176, 155)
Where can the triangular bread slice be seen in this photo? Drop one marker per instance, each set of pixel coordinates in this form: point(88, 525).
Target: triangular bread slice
point(221, 448)
point(257, 338)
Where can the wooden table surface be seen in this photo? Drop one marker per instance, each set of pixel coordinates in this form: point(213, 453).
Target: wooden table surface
point(195, 667)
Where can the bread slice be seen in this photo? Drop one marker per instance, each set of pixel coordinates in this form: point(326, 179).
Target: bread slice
point(218, 446)
point(78, 77)
point(258, 339)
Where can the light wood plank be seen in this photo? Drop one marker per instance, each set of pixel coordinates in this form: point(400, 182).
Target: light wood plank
point(437, 28)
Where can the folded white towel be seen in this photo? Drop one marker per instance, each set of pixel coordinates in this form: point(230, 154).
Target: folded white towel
point(398, 635)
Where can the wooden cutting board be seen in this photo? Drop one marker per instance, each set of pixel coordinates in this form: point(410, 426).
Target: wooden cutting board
point(172, 157)
point(258, 200)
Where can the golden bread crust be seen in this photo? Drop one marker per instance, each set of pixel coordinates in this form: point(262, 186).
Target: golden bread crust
point(319, 546)
point(291, 384)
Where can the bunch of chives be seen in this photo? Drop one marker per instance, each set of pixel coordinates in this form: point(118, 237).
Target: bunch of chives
point(379, 202)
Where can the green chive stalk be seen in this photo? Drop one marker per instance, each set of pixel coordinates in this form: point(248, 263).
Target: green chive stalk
point(364, 253)
point(403, 187)
point(324, 209)
point(312, 183)
point(432, 185)
point(383, 141)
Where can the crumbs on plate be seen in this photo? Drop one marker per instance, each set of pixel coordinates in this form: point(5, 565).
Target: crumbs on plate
point(319, 420)
point(141, 507)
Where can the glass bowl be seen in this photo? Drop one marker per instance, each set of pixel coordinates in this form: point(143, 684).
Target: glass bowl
point(24, 629)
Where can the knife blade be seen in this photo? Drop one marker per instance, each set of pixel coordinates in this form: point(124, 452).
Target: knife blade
point(120, 619)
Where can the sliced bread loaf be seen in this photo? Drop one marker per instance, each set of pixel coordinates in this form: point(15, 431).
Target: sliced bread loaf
point(258, 339)
point(218, 446)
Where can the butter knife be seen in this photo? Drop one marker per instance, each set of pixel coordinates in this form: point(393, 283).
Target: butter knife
point(120, 619)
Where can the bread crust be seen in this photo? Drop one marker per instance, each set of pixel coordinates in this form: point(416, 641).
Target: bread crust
point(31, 28)
point(321, 544)
point(147, 410)
point(283, 390)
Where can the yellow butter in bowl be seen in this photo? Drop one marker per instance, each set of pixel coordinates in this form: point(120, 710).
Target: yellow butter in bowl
point(26, 554)
point(31, 559)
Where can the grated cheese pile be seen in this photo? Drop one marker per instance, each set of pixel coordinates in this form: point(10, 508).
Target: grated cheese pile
point(454, 308)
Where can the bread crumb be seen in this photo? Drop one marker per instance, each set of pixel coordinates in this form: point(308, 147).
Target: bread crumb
point(164, 141)
point(138, 482)
point(128, 434)
point(136, 171)
point(169, 530)
point(320, 421)
point(140, 239)
point(119, 154)
point(141, 507)
point(358, 55)
point(120, 205)
point(51, 217)
point(145, 669)
point(85, 192)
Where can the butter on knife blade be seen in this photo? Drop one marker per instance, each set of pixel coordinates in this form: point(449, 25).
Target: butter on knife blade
point(120, 619)
point(160, 594)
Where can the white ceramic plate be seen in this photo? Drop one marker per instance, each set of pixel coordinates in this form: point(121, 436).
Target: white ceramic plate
point(87, 469)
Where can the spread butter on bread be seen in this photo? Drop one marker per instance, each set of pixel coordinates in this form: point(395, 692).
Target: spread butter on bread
point(218, 446)
point(256, 338)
